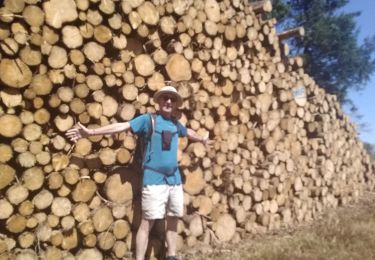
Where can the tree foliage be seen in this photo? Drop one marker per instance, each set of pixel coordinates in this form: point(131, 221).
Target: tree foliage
point(330, 47)
point(370, 149)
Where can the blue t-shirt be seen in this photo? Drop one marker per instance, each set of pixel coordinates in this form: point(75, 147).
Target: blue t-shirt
point(161, 166)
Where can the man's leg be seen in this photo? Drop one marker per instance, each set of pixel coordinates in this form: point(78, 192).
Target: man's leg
point(142, 238)
point(154, 200)
point(171, 235)
point(175, 210)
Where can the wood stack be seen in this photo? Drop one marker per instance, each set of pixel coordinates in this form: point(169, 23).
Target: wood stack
point(283, 152)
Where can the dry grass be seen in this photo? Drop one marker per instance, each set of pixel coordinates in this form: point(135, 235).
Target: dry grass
point(344, 233)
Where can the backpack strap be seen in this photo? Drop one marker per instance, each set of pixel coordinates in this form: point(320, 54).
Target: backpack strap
point(172, 172)
point(148, 136)
point(153, 122)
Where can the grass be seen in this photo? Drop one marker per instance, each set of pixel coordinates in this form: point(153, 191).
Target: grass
point(343, 233)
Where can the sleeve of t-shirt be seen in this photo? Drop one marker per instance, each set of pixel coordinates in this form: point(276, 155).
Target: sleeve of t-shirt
point(139, 124)
point(182, 130)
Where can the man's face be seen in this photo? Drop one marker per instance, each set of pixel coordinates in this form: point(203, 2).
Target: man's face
point(167, 103)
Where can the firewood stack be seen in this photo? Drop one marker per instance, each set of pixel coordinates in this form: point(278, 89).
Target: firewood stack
point(283, 152)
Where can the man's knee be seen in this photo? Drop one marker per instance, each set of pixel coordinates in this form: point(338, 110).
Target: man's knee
point(146, 225)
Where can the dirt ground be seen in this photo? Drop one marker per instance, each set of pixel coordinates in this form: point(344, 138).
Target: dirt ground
point(343, 233)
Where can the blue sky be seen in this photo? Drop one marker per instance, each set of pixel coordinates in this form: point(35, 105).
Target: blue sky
point(365, 100)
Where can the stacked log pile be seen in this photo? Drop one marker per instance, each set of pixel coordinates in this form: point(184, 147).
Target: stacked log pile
point(283, 152)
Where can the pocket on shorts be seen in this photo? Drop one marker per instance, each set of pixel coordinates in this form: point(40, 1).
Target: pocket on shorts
point(154, 200)
point(175, 205)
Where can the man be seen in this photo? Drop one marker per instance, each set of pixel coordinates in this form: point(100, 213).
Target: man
point(162, 193)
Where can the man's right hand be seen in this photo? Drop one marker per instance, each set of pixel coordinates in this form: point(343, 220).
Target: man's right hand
point(76, 133)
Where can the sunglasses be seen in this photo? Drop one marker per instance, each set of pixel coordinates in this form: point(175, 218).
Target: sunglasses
point(167, 97)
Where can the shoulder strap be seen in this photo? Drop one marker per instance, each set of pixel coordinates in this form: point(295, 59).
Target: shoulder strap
point(153, 123)
point(148, 136)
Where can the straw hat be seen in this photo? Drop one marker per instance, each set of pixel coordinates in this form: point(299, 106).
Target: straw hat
point(170, 91)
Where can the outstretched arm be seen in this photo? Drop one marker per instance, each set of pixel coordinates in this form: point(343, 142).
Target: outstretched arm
point(194, 136)
point(76, 133)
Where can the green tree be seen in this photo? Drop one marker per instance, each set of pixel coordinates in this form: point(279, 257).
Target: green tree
point(370, 149)
point(330, 47)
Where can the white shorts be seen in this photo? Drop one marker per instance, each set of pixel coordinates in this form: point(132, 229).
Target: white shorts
point(161, 200)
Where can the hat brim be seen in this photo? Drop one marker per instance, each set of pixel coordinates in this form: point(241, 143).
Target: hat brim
point(160, 93)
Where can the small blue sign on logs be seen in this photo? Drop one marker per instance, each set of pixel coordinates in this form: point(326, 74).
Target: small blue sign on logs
point(299, 94)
